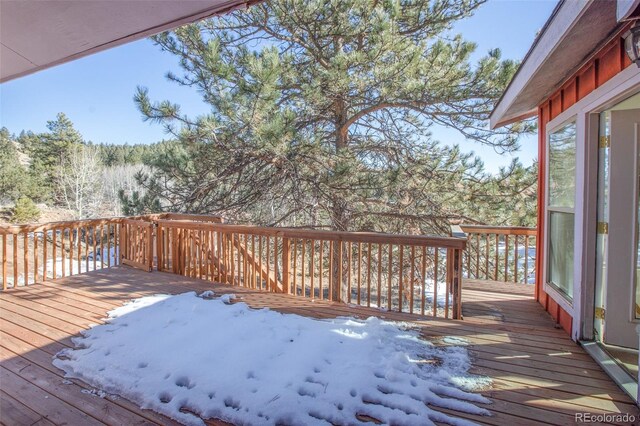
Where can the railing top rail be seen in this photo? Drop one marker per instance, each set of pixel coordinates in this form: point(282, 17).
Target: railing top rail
point(365, 237)
point(137, 222)
point(40, 227)
point(193, 217)
point(505, 230)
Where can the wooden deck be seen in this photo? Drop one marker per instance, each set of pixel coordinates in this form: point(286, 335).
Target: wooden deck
point(539, 375)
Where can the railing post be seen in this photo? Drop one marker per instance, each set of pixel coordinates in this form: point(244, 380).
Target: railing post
point(286, 264)
point(457, 232)
point(159, 246)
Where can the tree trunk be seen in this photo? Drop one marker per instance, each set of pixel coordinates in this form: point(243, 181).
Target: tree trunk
point(340, 218)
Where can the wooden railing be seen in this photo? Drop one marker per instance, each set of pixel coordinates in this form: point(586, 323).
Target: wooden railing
point(500, 253)
point(406, 273)
point(41, 252)
point(44, 252)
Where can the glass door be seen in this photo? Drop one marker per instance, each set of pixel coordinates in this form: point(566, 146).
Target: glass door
point(617, 292)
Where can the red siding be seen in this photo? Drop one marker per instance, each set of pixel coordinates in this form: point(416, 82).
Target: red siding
point(605, 64)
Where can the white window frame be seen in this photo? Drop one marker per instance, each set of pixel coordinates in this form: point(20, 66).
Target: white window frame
point(557, 295)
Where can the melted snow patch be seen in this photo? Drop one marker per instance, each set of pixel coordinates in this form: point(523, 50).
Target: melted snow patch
point(184, 355)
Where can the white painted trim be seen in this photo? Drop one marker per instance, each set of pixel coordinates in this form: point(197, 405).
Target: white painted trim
point(613, 370)
point(584, 326)
point(557, 296)
point(556, 30)
point(580, 217)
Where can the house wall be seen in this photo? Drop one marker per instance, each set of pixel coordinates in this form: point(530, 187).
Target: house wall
point(607, 62)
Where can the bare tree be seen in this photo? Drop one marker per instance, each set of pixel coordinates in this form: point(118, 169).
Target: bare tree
point(118, 178)
point(79, 182)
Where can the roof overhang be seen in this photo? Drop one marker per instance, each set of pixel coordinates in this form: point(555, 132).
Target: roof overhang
point(35, 35)
point(572, 33)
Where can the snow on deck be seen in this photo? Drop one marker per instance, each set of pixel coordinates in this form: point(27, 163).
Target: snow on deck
point(189, 357)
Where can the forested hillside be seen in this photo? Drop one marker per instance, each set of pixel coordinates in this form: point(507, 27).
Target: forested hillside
point(60, 175)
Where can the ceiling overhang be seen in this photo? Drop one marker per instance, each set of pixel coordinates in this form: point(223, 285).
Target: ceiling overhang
point(572, 33)
point(35, 35)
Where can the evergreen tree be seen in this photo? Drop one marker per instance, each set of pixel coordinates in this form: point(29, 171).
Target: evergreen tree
point(12, 173)
point(16, 177)
point(321, 114)
point(59, 142)
point(25, 210)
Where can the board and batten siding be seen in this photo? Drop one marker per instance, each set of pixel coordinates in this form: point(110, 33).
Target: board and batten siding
point(601, 67)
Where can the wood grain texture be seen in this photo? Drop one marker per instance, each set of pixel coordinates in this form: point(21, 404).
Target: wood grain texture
point(539, 376)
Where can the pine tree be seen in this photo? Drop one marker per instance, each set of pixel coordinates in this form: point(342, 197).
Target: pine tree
point(12, 173)
point(321, 114)
point(61, 139)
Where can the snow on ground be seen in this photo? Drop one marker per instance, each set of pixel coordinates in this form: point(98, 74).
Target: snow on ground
point(185, 354)
point(86, 265)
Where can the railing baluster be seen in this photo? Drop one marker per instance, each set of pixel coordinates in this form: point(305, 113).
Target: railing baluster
point(477, 274)
point(93, 240)
point(268, 265)
point(71, 247)
point(79, 238)
point(338, 284)
point(359, 260)
point(379, 301)
point(469, 245)
point(526, 259)
point(101, 246)
point(447, 284)
point(294, 267)
point(368, 274)
point(412, 277)
point(286, 265)
point(86, 248)
point(506, 258)
point(331, 275)
point(390, 277)
point(312, 269)
point(435, 281)
point(486, 256)
point(423, 279)
point(321, 266)
point(35, 257)
point(45, 237)
point(349, 267)
point(400, 272)
point(497, 265)
point(515, 269)
point(54, 253)
point(25, 261)
point(4, 261)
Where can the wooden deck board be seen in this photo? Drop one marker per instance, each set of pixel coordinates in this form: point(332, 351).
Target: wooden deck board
point(539, 375)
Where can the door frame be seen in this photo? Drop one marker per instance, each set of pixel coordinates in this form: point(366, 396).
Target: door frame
point(586, 113)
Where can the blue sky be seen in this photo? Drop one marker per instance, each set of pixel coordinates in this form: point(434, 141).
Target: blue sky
point(96, 92)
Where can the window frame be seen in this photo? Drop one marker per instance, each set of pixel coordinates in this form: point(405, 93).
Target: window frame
point(558, 295)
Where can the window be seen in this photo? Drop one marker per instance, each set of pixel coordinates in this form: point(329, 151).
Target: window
point(560, 208)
